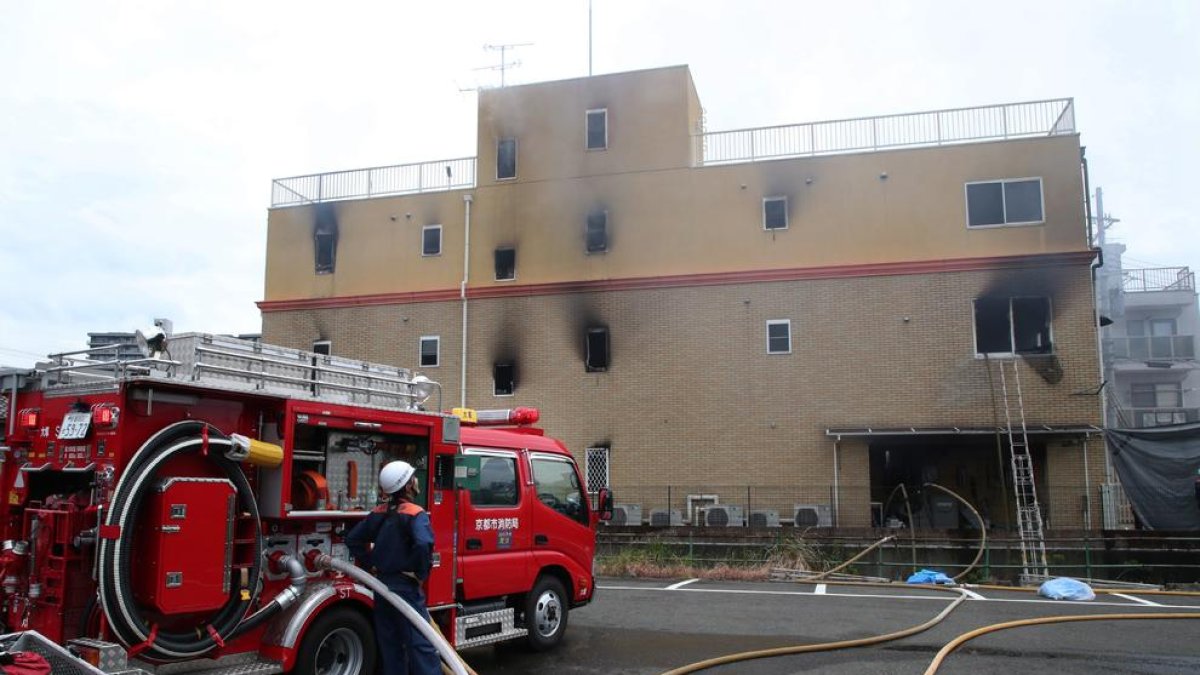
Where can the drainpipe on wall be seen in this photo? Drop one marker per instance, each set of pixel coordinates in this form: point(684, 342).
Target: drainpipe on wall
point(1087, 486)
point(462, 294)
point(837, 443)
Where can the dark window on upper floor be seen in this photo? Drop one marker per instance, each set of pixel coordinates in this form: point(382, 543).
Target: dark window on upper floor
point(506, 158)
point(506, 264)
point(1004, 202)
point(431, 346)
point(597, 231)
point(597, 129)
point(779, 336)
point(504, 379)
point(324, 347)
point(596, 355)
point(1012, 325)
point(325, 237)
point(431, 240)
point(775, 216)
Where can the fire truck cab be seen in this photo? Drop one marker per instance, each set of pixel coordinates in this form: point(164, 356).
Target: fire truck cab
point(173, 509)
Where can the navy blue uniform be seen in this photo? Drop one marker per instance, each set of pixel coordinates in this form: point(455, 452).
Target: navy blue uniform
point(397, 541)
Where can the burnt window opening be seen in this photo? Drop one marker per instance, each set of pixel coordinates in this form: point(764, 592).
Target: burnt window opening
point(596, 355)
point(597, 232)
point(506, 158)
point(506, 264)
point(325, 236)
point(1004, 202)
point(323, 347)
point(1012, 325)
point(597, 129)
point(775, 213)
point(504, 379)
point(779, 336)
point(431, 240)
point(431, 346)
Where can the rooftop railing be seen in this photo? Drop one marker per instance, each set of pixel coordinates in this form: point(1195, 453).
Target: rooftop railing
point(379, 181)
point(1158, 279)
point(940, 127)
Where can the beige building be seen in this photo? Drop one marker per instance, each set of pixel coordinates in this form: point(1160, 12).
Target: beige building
point(764, 318)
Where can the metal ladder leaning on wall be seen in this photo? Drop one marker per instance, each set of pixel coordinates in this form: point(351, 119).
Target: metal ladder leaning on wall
point(1029, 513)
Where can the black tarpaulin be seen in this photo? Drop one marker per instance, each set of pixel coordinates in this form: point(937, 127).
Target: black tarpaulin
point(1158, 469)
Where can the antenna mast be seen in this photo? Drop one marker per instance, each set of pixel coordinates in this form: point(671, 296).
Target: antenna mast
point(503, 49)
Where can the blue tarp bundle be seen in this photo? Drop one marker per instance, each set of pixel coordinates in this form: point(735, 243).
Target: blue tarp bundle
point(1064, 588)
point(929, 577)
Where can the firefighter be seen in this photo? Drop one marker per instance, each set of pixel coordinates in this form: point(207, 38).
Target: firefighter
point(396, 541)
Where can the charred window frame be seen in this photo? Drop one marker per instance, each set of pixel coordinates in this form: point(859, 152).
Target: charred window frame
point(430, 351)
point(596, 349)
point(325, 238)
point(597, 231)
point(506, 264)
point(1013, 325)
point(1017, 201)
point(775, 213)
point(506, 159)
point(779, 336)
point(431, 240)
point(322, 347)
point(504, 379)
point(597, 129)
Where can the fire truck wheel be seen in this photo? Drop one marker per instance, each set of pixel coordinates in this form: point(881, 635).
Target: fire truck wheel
point(546, 613)
point(340, 642)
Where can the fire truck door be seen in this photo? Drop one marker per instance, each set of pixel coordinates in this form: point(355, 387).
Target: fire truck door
point(495, 540)
point(561, 521)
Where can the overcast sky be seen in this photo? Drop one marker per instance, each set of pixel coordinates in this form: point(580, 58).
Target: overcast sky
point(138, 140)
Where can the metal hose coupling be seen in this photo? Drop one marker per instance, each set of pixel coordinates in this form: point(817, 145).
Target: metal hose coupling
point(280, 561)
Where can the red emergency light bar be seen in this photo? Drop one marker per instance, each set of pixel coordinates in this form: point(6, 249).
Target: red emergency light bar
point(29, 418)
point(501, 417)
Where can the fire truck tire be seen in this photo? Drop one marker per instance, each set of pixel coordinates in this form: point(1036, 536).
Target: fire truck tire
point(546, 613)
point(340, 642)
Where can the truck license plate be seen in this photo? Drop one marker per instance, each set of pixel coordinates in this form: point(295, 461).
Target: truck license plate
point(74, 426)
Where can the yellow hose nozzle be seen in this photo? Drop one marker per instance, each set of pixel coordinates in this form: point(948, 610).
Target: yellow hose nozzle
point(254, 451)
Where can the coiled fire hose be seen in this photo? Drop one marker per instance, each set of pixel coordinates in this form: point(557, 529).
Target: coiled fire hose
point(449, 656)
point(115, 549)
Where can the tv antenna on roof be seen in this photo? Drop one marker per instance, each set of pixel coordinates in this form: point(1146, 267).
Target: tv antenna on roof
point(504, 65)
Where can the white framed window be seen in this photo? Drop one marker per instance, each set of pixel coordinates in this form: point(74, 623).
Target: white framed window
point(506, 264)
point(1017, 325)
point(431, 351)
point(506, 159)
point(504, 379)
point(779, 336)
point(431, 240)
point(775, 213)
point(1015, 201)
point(597, 129)
point(324, 347)
point(596, 232)
point(597, 469)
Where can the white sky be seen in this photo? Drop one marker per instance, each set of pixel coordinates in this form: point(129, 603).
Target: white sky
point(138, 140)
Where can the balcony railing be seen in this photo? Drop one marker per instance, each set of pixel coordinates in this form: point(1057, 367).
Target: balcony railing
point(940, 127)
point(379, 181)
point(1143, 418)
point(1158, 279)
point(1169, 347)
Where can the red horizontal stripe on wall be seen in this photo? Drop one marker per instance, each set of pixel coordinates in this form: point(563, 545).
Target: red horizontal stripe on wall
point(683, 280)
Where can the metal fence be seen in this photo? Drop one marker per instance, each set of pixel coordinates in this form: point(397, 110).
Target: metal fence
point(1158, 279)
point(939, 127)
point(399, 179)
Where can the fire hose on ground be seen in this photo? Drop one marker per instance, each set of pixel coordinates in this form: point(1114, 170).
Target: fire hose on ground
point(450, 657)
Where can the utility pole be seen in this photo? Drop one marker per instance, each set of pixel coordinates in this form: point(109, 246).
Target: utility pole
point(589, 38)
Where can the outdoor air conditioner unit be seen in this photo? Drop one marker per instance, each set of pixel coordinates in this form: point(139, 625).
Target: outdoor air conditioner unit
point(626, 514)
point(764, 518)
point(813, 515)
point(723, 515)
point(665, 518)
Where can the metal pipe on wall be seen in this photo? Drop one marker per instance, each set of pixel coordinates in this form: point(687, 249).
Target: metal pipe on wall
point(462, 293)
point(837, 444)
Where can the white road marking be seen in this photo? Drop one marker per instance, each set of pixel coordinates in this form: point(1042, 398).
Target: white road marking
point(675, 587)
point(1140, 601)
point(819, 590)
point(879, 596)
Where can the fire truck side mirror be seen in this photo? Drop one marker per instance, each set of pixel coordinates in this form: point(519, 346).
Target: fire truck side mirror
point(466, 472)
point(604, 504)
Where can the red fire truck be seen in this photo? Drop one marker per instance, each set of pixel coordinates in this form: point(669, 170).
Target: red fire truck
point(173, 508)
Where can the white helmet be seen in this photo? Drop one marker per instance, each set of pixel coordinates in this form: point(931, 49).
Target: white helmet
point(395, 475)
